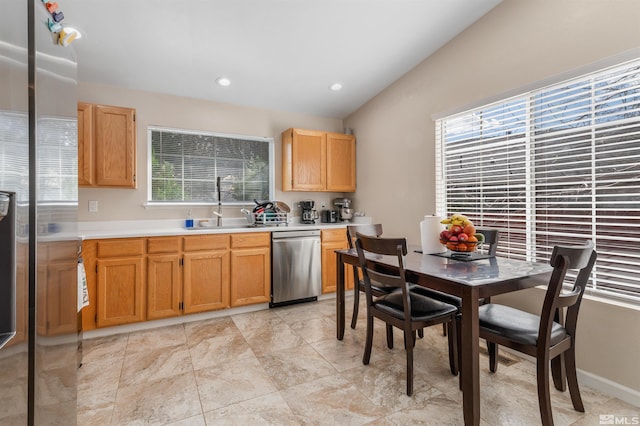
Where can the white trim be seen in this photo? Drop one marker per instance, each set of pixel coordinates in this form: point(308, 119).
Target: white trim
point(150, 128)
point(609, 387)
point(598, 383)
point(607, 62)
point(148, 325)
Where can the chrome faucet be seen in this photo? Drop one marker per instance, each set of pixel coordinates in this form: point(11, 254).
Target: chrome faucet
point(219, 212)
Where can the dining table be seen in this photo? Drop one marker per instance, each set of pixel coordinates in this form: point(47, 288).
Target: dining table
point(471, 278)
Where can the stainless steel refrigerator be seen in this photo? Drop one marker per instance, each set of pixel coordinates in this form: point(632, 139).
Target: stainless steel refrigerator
point(39, 338)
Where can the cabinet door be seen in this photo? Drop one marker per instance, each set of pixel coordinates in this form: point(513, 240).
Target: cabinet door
point(61, 298)
point(115, 146)
point(85, 144)
point(341, 162)
point(120, 291)
point(332, 240)
point(164, 286)
point(304, 160)
point(329, 266)
point(206, 281)
point(250, 276)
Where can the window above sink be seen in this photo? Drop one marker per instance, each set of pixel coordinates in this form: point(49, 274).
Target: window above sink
point(184, 166)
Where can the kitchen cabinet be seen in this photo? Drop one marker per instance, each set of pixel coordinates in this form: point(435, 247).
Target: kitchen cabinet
point(318, 161)
point(106, 146)
point(120, 289)
point(250, 268)
point(58, 288)
point(331, 240)
point(164, 277)
point(206, 273)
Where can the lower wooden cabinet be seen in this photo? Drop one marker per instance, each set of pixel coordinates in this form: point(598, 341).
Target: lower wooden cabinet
point(206, 281)
point(138, 279)
point(332, 240)
point(164, 286)
point(57, 289)
point(250, 268)
point(121, 294)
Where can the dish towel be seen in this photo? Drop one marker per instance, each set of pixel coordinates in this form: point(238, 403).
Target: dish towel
point(83, 293)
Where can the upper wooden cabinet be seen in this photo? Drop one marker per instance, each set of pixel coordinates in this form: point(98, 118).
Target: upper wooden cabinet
point(318, 161)
point(106, 146)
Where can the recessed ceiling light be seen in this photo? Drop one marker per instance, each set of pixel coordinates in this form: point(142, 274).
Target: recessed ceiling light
point(223, 81)
point(335, 87)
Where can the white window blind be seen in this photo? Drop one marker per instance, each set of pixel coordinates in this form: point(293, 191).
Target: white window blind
point(57, 157)
point(185, 166)
point(559, 165)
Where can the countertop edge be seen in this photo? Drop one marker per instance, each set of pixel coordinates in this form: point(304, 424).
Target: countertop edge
point(92, 234)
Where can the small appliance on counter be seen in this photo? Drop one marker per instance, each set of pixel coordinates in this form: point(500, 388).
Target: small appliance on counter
point(309, 213)
point(329, 216)
point(344, 208)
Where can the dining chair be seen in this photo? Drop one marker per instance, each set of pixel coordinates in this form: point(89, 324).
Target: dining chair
point(377, 289)
point(403, 309)
point(490, 247)
point(546, 336)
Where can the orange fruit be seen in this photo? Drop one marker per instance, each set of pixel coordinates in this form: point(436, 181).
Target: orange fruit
point(469, 229)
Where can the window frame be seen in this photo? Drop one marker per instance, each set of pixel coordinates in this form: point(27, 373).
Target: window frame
point(155, 203)
point(608, 286)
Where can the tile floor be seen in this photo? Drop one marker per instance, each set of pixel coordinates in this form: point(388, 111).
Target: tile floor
point(285, 366)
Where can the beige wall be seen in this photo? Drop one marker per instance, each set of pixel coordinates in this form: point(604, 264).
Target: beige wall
point(514, 45)
point(190, 114)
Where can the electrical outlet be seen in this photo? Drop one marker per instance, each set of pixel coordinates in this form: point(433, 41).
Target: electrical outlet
point(93, 206)
point(322, 204)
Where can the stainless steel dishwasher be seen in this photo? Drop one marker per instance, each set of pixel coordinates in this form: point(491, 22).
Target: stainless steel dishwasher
point(296, 270)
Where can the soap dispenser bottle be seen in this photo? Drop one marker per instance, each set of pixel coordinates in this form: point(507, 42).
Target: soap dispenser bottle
point(189, 222)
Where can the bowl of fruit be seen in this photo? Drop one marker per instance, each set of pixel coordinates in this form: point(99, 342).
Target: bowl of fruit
point(460, 234)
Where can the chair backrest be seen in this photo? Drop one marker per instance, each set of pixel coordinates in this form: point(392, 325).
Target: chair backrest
point(386, 247)
point(491, 238)
point(563, 259)
point(374, 230)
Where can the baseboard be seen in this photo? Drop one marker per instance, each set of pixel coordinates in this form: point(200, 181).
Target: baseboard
point(609, 387)
point(182, 319)
point(601, 384)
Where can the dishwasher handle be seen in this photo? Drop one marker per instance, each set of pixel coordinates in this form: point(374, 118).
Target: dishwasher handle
point(281, 235)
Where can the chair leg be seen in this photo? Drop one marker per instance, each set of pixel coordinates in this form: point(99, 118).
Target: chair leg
point(356, 305)
point(453, 347)
point(369, 341)
point(544, 399)
point(559, 373)
point(572, 379)
point(492, 348)
point(421, 333)
point(444, 329)
point(389, 336)
point(409, 341)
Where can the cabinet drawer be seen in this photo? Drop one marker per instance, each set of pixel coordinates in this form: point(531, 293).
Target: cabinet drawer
point(62, 251)
point(163, 245)
point(206, 242)
point(261, 239)
point(120, 247)
point(334, 235)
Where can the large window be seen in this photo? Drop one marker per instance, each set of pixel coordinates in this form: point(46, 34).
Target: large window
point(558, 165)
point(185, 167)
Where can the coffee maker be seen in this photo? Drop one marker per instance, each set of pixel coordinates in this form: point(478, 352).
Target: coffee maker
point(344, 208)
point(309, 213)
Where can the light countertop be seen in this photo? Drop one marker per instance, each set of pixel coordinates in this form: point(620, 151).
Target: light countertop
point(168, 227)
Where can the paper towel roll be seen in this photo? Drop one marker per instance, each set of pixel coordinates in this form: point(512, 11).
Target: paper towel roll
point(430, 229)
